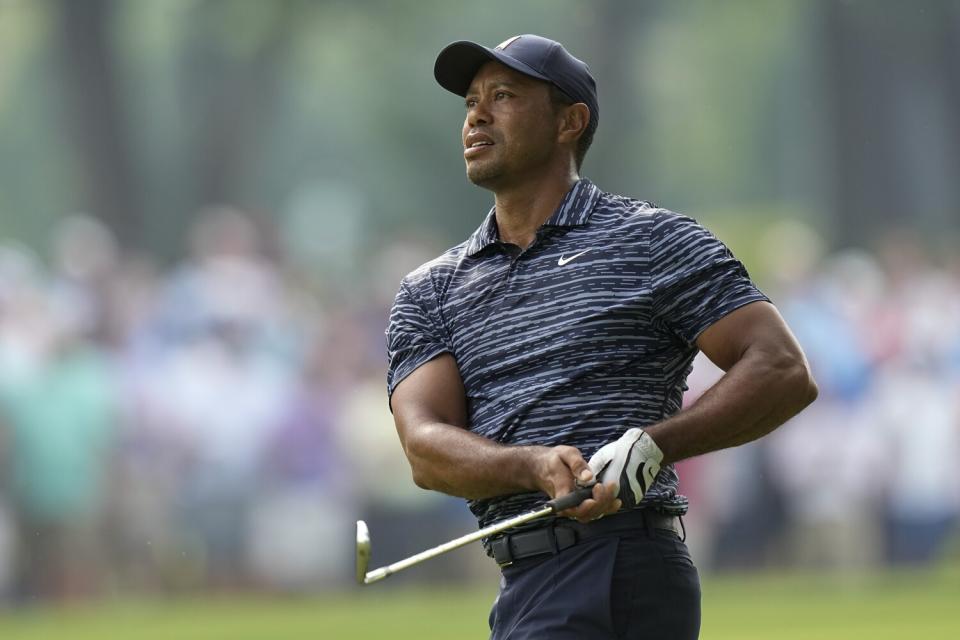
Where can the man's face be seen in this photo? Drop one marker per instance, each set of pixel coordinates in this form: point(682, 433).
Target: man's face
point(510, 128)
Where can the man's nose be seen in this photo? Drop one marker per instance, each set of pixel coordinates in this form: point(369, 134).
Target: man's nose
point(479, 114)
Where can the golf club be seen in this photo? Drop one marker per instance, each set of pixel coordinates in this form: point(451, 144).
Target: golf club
point(363, 536)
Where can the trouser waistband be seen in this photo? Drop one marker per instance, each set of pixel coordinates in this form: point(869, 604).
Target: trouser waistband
point(564, 533)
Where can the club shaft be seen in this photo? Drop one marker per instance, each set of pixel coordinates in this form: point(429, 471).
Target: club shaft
point(379, 574)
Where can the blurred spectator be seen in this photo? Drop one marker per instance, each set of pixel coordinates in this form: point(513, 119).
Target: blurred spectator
point(220, 378)
point(302, 522)
point(827, 465)
point(917, 416)
point(57, 402)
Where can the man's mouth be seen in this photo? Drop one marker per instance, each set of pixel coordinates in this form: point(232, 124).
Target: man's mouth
point(475, 143)
point(476, 148)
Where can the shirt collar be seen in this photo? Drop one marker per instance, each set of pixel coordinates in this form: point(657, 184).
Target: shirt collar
point(574, 210)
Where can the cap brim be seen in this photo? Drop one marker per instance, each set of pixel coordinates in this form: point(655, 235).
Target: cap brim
point(458, 62)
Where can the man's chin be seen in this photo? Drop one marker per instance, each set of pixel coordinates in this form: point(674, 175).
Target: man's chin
point(486, 177)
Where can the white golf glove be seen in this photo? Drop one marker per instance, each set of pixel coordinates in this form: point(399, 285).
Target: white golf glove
point(633, 461)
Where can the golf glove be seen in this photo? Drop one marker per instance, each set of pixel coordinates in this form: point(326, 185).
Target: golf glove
point(633, 462)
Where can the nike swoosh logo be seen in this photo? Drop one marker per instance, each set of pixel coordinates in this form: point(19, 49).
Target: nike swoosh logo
point(562, 261)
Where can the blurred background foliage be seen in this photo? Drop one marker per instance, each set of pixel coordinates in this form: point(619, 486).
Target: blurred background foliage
point(841, 113)
point(206, 207)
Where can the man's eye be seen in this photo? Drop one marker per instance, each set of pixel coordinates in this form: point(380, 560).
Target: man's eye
point(499, 95)
point(470, 103)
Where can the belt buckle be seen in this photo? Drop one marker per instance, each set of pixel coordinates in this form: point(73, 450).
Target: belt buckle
point(504, 543)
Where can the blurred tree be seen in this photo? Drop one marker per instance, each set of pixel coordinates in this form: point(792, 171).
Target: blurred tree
point(619, 27)
point(96, 118)
point(232, 70)
point(229, 77)
point(892, 80)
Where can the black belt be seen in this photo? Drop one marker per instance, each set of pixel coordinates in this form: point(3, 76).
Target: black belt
point(564, 533)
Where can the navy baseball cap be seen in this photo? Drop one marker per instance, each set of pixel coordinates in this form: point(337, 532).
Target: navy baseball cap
point(532, 55)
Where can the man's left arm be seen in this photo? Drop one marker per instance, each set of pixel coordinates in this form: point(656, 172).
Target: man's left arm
point(767, 381)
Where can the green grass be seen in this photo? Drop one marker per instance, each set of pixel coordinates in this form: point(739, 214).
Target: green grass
point(894, 606)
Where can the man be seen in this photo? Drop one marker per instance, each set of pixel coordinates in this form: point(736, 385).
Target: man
point(562, 331)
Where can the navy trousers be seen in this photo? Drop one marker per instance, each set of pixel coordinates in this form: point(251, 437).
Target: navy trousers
point(638, 585)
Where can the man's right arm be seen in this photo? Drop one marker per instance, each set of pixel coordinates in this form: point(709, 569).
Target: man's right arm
point(430, 412)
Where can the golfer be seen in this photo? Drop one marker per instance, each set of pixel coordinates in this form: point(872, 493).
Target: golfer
point(551, 348)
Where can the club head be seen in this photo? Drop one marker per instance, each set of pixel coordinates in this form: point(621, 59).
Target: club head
point(363, 551)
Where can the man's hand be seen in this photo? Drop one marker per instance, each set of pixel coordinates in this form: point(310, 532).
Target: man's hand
point(560, 470)
point(632, 463)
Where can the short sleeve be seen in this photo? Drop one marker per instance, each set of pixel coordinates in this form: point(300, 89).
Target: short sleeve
point(695, 279)
point(414, 335)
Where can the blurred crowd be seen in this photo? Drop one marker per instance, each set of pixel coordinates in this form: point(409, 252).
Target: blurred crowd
point(867, 475)
point(221, 423)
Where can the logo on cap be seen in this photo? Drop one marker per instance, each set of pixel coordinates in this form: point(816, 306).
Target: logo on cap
point(506, 43)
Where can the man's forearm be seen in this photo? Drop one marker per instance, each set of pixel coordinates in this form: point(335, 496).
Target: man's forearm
point(754, 397)
point(458, 462)
point(430, 411)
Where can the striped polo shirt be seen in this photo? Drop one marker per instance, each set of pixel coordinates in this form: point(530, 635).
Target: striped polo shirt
point(589, 331)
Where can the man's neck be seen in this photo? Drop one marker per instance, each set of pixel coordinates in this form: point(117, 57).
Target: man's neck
point(523, 209)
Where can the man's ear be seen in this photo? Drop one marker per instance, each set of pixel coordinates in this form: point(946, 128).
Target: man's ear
point(574, 122)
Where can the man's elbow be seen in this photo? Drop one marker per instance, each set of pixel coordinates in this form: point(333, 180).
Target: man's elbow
point(807, 389)
point(418, 467)
point(421, 478)
point(797, 380)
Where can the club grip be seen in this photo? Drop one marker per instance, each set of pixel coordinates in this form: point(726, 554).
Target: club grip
point(571, 499)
